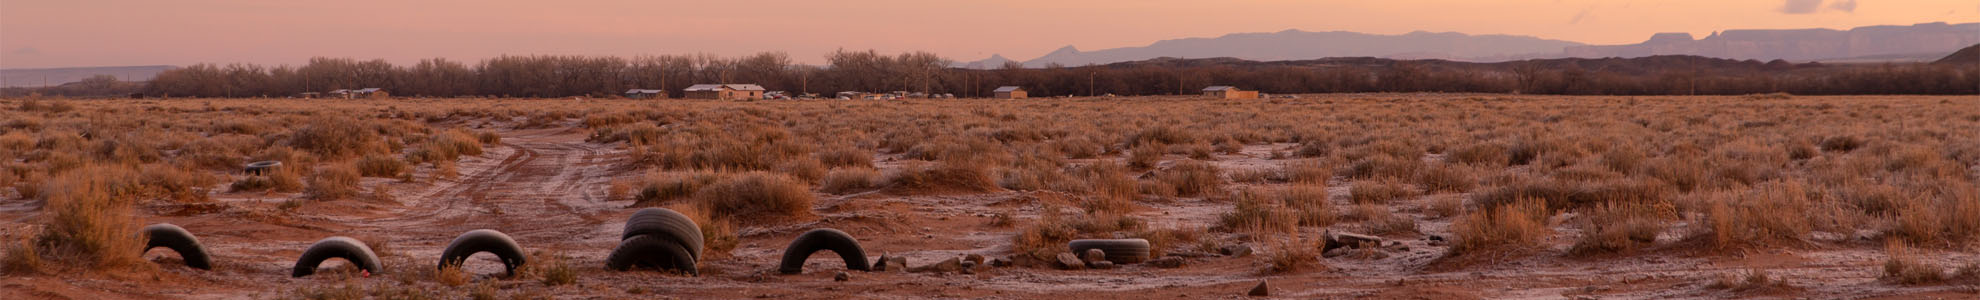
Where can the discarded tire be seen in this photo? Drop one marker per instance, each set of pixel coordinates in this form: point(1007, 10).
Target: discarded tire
point(648, 251)
point(179, 240)
point(262, 167)
point(483, 240)
point(665, 224)
point(346, 248)
point(1120, 251)
point(823, 239)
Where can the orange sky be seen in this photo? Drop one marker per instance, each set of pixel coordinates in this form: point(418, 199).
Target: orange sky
point(60, 33)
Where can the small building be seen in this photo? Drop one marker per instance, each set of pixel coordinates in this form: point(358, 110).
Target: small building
point(1229, 92)
point(368, 93)
point(725, 91)
point(1010, 92)
point(309, 95)
point(645, 94)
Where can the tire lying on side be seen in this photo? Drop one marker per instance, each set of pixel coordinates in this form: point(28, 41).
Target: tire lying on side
point(262, 167)
point(649, 251)
point(483, 240)
point(346, 248)
point(665, 224)
point(1120, 251)
point(179, 240)
point(823, 239)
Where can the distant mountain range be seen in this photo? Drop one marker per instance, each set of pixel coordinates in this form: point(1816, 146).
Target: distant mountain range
point(1920, 42)
point(1302, 45)
point(59, 76)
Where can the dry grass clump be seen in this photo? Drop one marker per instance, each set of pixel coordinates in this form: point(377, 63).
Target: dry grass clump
point(287, 179)
point(756, 195)
point(1192, 178)
point(1753, 281)
point(91, 220)
point(1617, 228)
point(451, 275)
point(1310, 171)
point(1295, 255)
point(1481, 154)
point(659, 187)
point(1384, 167)
point(1377, 219)
point(337, 137)
point(1145, 156)
point(1903, 268)
point(842, 156)
point(1160, 135)
point(1366, 191)
point(175, 184)
point(1255, 211)
point(1521, 225)
point(332, 182)
point(1445, 178)
point(718, 235)
point(381, 166)
point(954, 175)
point(848, 180)
point(446, 146)
point(1772, 215)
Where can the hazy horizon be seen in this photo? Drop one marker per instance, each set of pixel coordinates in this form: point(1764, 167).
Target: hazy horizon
point(48, 34)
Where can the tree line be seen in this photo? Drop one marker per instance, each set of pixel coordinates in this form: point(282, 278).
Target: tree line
point(871, 71)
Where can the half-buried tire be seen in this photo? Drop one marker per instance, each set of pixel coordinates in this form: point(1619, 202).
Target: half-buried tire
point(262, 167)
point(665, 224)
point(823, 239)
point(1120, 251)
point(483, 240)
point(349, 249)
point(179, 240)
point(649, 251)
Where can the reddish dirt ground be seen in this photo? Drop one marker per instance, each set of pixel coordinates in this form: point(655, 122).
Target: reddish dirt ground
point(547, 188)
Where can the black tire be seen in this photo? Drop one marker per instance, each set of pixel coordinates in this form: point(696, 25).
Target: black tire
point(1120, 251)
point(349, 249)
point(648, 251)
point(179, 240)
point(667, 225)
point(823, 239)
point(483, 240)
point(262, 167)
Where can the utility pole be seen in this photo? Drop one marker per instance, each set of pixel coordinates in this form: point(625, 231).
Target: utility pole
point(1089, 83)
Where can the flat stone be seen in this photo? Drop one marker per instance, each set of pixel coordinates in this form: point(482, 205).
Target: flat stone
point(944, 266)
point(842, 276)
point(1102, 265)
point(1068, 261)
point(1093, 256)
point(1260, 291)
point(1235, 250)
point(978, 258)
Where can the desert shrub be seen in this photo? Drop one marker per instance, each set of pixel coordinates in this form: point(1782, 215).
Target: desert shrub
point(1367, 191)
point(1295, 255)
point(718, 236)
point(1770, 215)
point(332, 182)
point(555, 270)
point(1077, 147)
point(380, 166)
point(1841, 144)
point(951, 175)
point(451, 275)
point(1257, 176)
point(1560, 195)
point(1307, 171)
point(660, 187)
point(1160, 135)
point(1482, 154)
point(1309, 204)
point(1617, 228)
point(1054, 228)
point(848, 180)
point(1254, 212)
point(335, 137)
point(807, 169)
point(1377, 219)
point(755, 195)
point(447, 146)
point(175, 184)
point(488, 138)
point(1384, 167)
point(1145, 156)
point(1519, 225)
point(90, 219)
point(1193, 178)
point(840, 156)
point(1902, 267)
point(1444, 206)
point(1525, 150)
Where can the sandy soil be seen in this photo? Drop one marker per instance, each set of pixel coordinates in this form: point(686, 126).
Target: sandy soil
point(547, 189)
